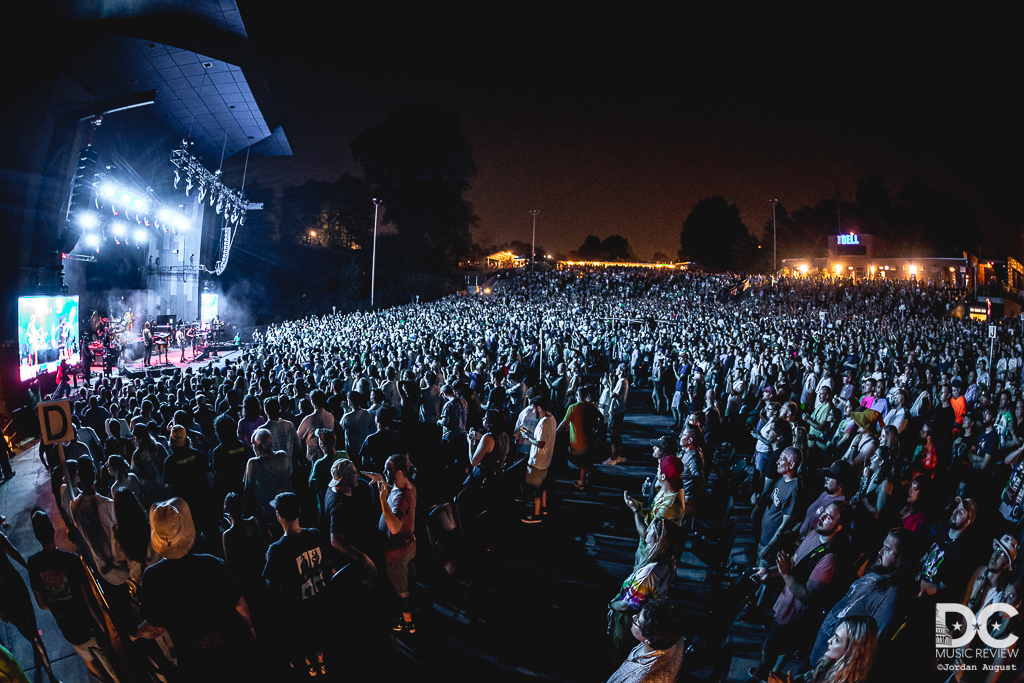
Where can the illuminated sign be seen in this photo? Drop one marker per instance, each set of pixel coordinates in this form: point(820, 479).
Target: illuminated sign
point(847, 240)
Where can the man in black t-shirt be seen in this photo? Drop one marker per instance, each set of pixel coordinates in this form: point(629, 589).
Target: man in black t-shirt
point(60, 584)
point(351, 528)
point(298, 570)
point(951, 554)
point(383, 443)
point(185, 471)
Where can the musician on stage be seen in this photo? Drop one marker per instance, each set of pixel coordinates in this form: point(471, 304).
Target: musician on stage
point(216, 325)
point(179, 337)
point(36, 339)
point(193, 336)
point(147, 339)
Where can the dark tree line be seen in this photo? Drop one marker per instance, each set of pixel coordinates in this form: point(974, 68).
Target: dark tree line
point(917, 219)
point(611, 248)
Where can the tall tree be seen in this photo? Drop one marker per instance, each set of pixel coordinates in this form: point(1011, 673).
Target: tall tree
point(338, 215)
point(714, 236)
point(419, 163)
point(591, 248)
point(617, 248)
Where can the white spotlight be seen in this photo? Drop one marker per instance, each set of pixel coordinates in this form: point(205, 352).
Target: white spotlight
point(141, 236)
point(120, 229)
point(88, 219)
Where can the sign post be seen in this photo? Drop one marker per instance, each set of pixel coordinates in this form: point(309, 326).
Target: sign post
point(56, 428)
point(991, 352)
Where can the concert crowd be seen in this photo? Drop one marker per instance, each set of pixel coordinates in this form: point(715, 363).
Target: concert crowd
point(266, 515)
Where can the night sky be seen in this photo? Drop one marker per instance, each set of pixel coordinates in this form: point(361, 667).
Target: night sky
point(620, 123)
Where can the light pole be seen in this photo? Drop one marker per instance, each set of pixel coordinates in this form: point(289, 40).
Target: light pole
point(775, 240)
point(533, 251)
point(373, 262)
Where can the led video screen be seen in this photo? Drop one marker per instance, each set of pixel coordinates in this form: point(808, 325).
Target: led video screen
point(208, 308)
point(47, 333)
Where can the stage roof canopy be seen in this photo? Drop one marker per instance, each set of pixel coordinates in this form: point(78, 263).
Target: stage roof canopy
point(198, 58)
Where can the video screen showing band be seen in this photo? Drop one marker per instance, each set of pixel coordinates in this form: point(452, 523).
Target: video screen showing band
point(47, 333)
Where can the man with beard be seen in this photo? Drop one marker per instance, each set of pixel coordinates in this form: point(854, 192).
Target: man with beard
point(838, 479)
point(809, 575)
point(880, 594)
point(949, 560)
point(693, 467)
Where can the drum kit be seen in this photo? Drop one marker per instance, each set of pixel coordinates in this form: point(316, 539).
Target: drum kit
point(111, 340)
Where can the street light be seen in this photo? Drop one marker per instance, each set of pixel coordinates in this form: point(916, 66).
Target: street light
point(533, 252)
point(373, 263)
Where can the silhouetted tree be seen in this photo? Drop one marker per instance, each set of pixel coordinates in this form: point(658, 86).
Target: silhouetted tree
point(617, 248)
point(419, 163)
point(714, 236)
point(612, 248)
point(591, 248)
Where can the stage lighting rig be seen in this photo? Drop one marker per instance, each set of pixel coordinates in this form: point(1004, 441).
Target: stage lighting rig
point(223, 199)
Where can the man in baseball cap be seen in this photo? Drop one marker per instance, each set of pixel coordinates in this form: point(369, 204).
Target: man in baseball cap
point(663, 446)
point(840, 484)
point(946, 566)
point(298, 569)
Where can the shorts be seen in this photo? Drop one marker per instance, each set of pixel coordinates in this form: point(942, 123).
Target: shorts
point(397, 563)
point(760, 459)
point(535, 476)
point(615, 432)
point(584, 459)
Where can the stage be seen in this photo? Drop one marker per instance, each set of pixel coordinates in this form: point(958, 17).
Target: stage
point(158, 366)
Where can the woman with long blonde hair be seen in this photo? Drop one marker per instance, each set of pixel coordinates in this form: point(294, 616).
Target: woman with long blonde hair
point(848, 659)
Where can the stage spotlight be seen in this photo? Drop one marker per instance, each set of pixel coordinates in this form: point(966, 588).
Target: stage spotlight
point(87, 220)
point(139, 204)
point(109, 191)
point(126, 199)
point(141, 236)
point(120, 229)
point(93, 242)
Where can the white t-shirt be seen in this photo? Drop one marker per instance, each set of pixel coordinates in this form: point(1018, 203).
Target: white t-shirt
point(540, 458)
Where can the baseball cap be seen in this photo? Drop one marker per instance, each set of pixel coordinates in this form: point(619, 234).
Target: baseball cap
point(969, 505)
point(287, 505)
point(666, 443)
point(841, 471)
point(178, 435)
point(672, 468)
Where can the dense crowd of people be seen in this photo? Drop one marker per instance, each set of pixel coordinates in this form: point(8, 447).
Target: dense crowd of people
point(226, 506)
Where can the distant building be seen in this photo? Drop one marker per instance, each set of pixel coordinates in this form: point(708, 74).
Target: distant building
point(506, 259)
point(996, 284)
